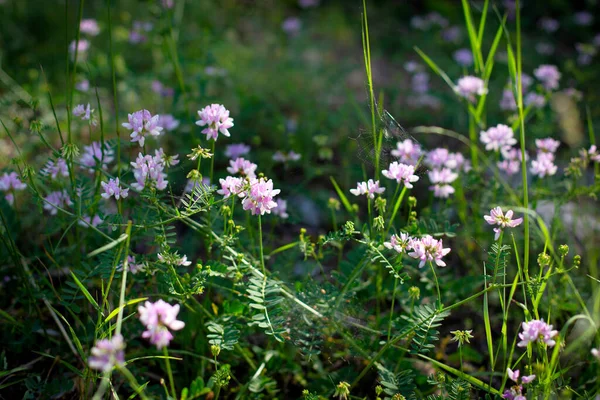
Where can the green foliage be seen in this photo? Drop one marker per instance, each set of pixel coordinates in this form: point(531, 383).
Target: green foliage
point(225, 336)
point(424, 321)
point(266, 302)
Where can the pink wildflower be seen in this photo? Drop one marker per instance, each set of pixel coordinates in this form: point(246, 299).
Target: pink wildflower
point(89, 27)
point(498, 137)
point(93, 154)
point(291, 26)
point(543, 165)
point(58, 199)
point(243, 167)
point(158, 318)
point(399, 243)
point(497, 217)
point(283, 157)
point(442, 179)
point(142, 123)
point(547, 145)
point(56, 168)
point(469, 86)
point(370, 188)
point(593, 154)
point(217, 120)
point(9, 183)
point(107, 353)
point(401, 173)
point(168, 122)
point(508, 103)
point(537, 330)
point(281, 209)
point(548, 75)
point(86, 221)
point(112, 188)
point(236, 150)
point(231, 186)
point(408, 152)
point(511, 163)
point(259, 198)
point(148, 170)
point(428, 249)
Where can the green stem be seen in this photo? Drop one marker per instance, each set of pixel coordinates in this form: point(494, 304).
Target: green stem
point(260, 244)
point(123, 281)
point(392, 309)
point(212, 161)
point(114, 87)
point(437, 286)
point(169, 372)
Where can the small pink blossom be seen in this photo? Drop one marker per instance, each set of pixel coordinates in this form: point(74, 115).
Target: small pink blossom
point(408, 152)
point(438, 158)
point(281, 209)
point(401, 173)
point(469, 86)
point(537, 331)
point(594, 154)
point(82, 47)
point(283, 157)
point(231, 185)
point(158, 318)
point(370, 188)
point(259, 198)
point(86, 221)
point(9, 182)
point(596, 353)
point(508, 103)
point(142, 124)
point(236, 150)
point(498, 137)
point(511, 163)
point(497, 217)
point(93, 155)
point(112, 188)
point(89, 27)
point(534, 100)
point(56, 168)
point(442, 179)
point(107, 353)
point(428, 249)
point(168, 122)
point(148, 170)
point(543, 165)
point(243, 167)
point(464, 57)
point(83, 86)
point(400, 243)
point(85, 112)
point(548, 75)
point(55, 200)
point(291, 26)
point(547, 145)
point(216, 119)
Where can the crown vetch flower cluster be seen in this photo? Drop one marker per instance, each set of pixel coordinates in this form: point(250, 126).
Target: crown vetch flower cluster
point(548, 75)
point(216, 119)
point(408, 152)
point(401, 173)
point(442, 179)
point(400, 243)
point(428, 249)
point(9, 182)
point(243, 167)
point(498, 137)
point(511, 160)
point(280, 156)
point(370, 188)
point(85, 112)
point(112, 188)
point(89, 27)
point(259, 197)
point(149, 170)
point(93, 154)
point(142, 124)
point(56, 199)
point(544, 165)
point(53, 169)
point(537, 331)
point(232, 185)
point(107, 353)
point(516, 392)
point(158, 318)
point(281, 209)
point(497, 217)
point(469, 86)
point(236, 150)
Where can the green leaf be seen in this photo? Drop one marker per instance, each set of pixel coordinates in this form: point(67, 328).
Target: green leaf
point(116, 310)
point(341, 195)
point(86, 293)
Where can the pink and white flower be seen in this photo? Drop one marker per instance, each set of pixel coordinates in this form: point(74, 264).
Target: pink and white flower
point(93, 155)
point(547, 145)
point(543, 165)
point(497, 217)
point(236, 150)
point(243, 167)
point(369, 188)
point(537, 331)
point(56, 168)
point(283, 157)
point(89, 27)
point(216, 119)
point(498, 137)
point(281, 209)
point(401, 173)
point(259, 198)
point(428, 249)
point(107, 353)
point(112, 188)
point(55, 200)
point(142, 124)
point(408, 152)
point(400, 243)
point(148, 170)
point(442, 179)
point(159, 318)
point(469, 86)
point(231, 185)
point(548, 75)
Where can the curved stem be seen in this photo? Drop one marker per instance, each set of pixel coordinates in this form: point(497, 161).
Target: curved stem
point(437, 286)
point(170, 373)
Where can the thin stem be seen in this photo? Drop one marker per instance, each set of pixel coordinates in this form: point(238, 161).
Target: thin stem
point(212, 161)
point(114, 87)
point(260, 244)
point(392, 309)
point(123, 280)
point(437, 285)
point(169, 372)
